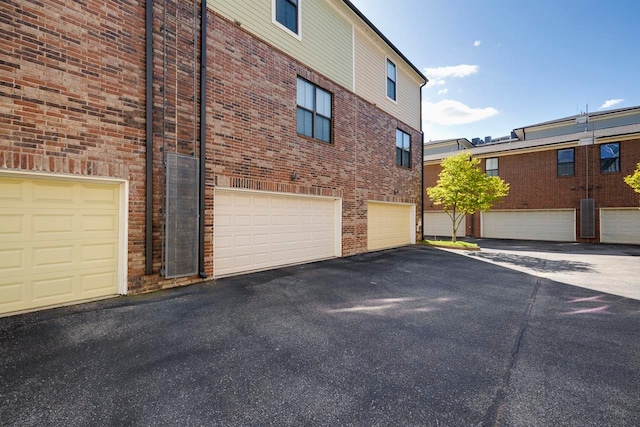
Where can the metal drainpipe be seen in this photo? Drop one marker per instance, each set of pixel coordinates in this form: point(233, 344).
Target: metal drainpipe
point(422, 189)
point(149, 138)
point(203, 131)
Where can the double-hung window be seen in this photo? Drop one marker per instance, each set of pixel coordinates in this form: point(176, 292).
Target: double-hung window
point(610, 157)
point(566, 162)
point(403, 149)
point(391, 80)
point(491, 166)
point(314, 111)
point(286, 14)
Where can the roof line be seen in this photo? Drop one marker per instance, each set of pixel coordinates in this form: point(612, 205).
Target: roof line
point(383, 37)
point(573, 117)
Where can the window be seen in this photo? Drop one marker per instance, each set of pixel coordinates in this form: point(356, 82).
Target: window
point(391, 80)
point(403, 149)
point(566, 162)
point(610, 157)
point(491, 166)
point(286, 13)
point(314, 111)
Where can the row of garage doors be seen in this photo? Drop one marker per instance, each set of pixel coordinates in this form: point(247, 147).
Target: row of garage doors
point(65, 240)
point(617, 225)
point(258, 230)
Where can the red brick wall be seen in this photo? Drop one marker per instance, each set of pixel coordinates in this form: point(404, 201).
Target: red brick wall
point(72, 101)
point(252, 133)
point(535, 184)
point(72, 96)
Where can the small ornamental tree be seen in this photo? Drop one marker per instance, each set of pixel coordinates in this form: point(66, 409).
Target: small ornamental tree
point(634, 179)
point(463, 188)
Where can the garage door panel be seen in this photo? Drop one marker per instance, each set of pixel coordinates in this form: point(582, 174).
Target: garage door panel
point(11, 190)
point(388, 225)
point(261, 220)
point(45, 226)
point(11, 260)
point(99, 195)
point(98, 253)
point(550, 225)
point(620, 226)
point(58, 257)
point(53, 193)
point(438, 223)
point(277, 220)
point(11, 226)
point(97, 282)
point(52, 287)
point(11, 294)
point(55, 237)
point(274, 230)
point(93, 223)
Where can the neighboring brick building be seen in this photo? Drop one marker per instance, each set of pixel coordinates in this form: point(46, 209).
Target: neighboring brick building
point(311, 139)
point(566, 179)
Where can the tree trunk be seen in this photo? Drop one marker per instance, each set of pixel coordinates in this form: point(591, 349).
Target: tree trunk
point(453, 227)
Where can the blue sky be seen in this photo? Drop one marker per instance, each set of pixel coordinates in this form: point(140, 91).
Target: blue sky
point(496, 65)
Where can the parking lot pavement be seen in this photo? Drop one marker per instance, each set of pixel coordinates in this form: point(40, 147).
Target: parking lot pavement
point(411, 336)
point(613, 269)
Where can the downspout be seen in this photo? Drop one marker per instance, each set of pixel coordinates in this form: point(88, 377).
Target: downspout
point(203, 132)
point(422, 189)
point(148, 254)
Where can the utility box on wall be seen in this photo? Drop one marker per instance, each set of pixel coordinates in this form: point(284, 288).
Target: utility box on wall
point(587, 218)
point(181, 216)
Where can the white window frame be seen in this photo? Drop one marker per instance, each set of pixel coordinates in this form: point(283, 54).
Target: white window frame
point(386, 74)
point(275, 22)
point(486, 166)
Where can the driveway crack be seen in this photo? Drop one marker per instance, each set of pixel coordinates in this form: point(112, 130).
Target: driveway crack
point(494, 414)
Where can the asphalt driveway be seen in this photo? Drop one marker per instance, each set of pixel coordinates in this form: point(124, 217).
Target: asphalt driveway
point(412, 336)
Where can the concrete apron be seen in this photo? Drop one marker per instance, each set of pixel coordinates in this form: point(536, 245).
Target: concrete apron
point(611, 269)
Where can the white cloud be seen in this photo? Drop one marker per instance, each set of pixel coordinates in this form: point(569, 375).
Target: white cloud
point(610, 103)
point(450, 112)
point(477, 43)
point(462, 70)
point(438, 75)
point(435, 82)
point(443, 91)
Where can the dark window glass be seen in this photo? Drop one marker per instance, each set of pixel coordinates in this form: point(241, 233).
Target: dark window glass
point(391, 80)
point(403, 149)
point(491, 166)
point(566, 162)
point(314, 111)
point(610, 157)
point(287, 14)
point(305, 122)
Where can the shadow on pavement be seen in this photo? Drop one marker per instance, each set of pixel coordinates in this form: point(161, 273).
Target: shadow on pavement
point(538, 264)
point(568, 247)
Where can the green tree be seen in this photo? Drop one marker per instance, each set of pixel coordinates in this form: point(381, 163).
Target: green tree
point(634, 179)
point(463, 188)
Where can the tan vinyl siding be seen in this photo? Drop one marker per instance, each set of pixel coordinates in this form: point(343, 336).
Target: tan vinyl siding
point(325, 44)
point(371, 77)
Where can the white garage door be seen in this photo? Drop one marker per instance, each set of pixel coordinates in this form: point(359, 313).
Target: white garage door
point(438, 224)
point(552, 225)
point(257, 231)
point(620, 226)
point(59, 241)
point(390, 225)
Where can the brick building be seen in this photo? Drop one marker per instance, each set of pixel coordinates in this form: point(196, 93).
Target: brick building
point(566, 179)
point(302, 117)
